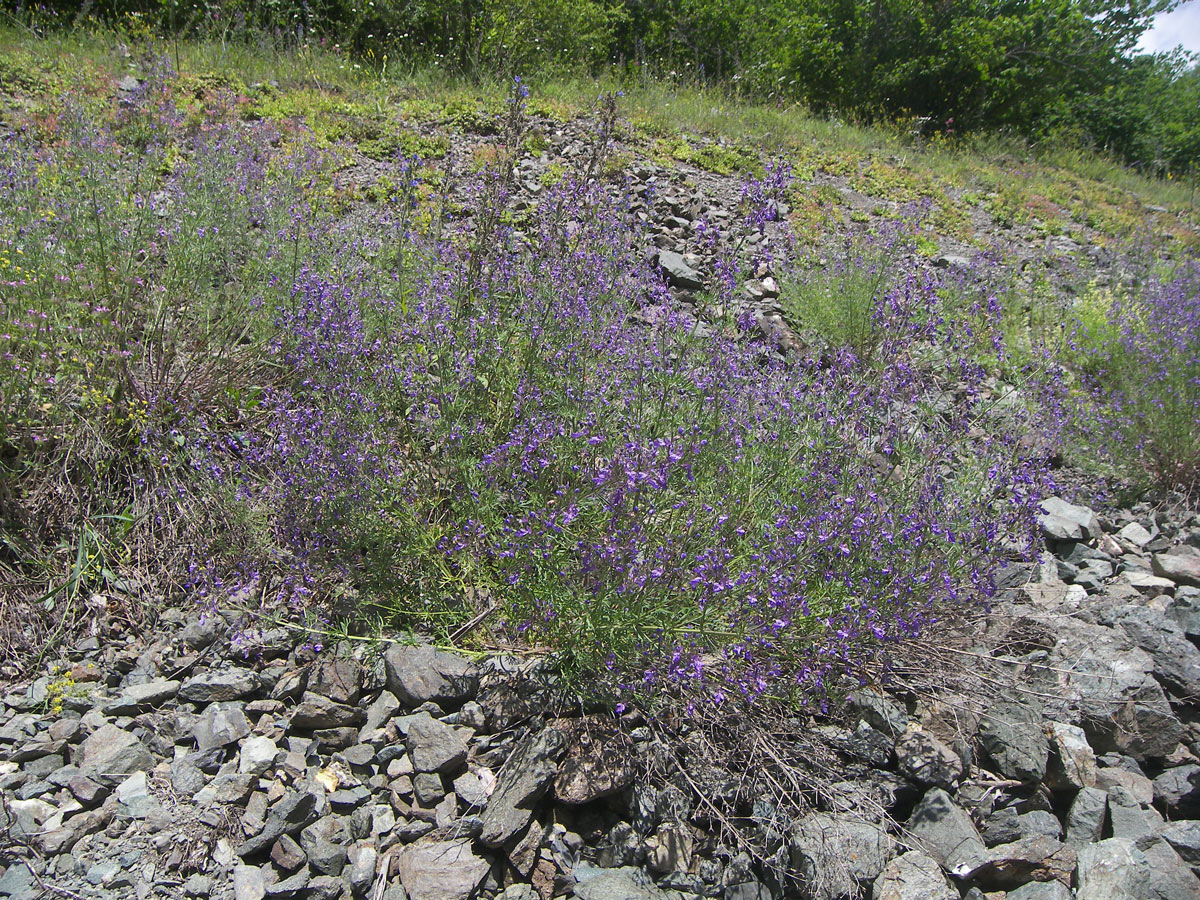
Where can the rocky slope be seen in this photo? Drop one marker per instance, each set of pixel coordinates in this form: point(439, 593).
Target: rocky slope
point(183, 762)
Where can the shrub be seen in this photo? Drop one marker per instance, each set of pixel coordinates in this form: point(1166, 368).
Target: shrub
point(1137, 352)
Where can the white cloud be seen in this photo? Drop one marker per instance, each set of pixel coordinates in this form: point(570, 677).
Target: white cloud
point(1181, 27)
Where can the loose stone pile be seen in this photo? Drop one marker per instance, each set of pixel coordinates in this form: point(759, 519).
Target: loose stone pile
point(256, 768)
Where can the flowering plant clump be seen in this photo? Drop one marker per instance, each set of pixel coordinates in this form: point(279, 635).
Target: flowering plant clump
point(530, 422)
point(1138, 354)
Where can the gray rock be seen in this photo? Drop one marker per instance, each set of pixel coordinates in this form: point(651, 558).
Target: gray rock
point(325, 887)
point(1086, 817)
point(879, 711)
point(257, 755)
point(677, 271)
point(951, 261)
point(1178, 789)
point(433, 746)
point(1063, 521)
point(1072, 761)
point(19, 882)
point(428, 788)
point(248, 883)
point(670, 849)
point(1041, 890)
point(223, 684)
point(324, 844)
point(186, 778)
point(943, 830)
point(615, 884)
point(1185, 609)
point(424, 675)
point(362, 858)
point(1135, 535)
point(1112, 870)
point(598, 761)
point(135, 798)
point(1170, 877)
point(336, 677)
point(381, 709)
point(912, 876)
point(526, 776)
point(1005, 825)
point(1180, 564)
point(1096, 674)
point(221, 724)
point(1176, 659)
point(229, 787)
point(441, 870)
point(836, 854)
point(289, 816)
point(315, 712)
point(139, 697)
point(1036, 858)
point(1184, 837)
point(110, 753)
point(202, 632)
point(295, 886)
point(1012, 735)
point(924, 759)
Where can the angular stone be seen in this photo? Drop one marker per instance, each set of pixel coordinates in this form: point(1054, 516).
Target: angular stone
point(220, 725)
point(1085, 819)
point(362, 858)
point(441, 870)
point(1041, 890)
point(257, 754)
point(1063, 521)
point(324, 844)
point(287, 854)
point(139, 697)
point(1184, 837)
point(336, 677)
point(227, 788)
point(615, 884)
point(222, 684)
point(913, 876)
point(289, 816)
point(598, 760)
point(1013, 737)
point(135, 798)
point(317, 712)
point(677, 271)
point(1170, 877)
point(1180, 564)
point(942, 829)
point(424, 675)
point(381, 709)
point(248, 883)
point(836, 854)
point(433, 746)
point(1112, 870)
point(1072, 760)
point(522, 782)
point(1037, 858)
point(1178, 789)
point(924, 759)
point(110, 753)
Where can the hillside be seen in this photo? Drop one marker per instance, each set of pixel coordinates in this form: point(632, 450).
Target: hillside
point(356, 424)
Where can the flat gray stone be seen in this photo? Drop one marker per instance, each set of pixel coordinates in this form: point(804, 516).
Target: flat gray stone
point(1012, 735)
point(626, 883)
point(913, 876)
point(434, 746)
point(523, 781)
point(1085, 818)
point(677, 271)
point(110, 753)
point(221, 724)
point(1063, 521)
point(223, 684)
point(441, 870)
point(943, 830)
point(1179, 564)
point(1112, 870)
point(835, 855)
point(139, 697)
point(421, 674)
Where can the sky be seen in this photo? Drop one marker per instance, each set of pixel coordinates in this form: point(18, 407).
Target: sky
point(1179, 27)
